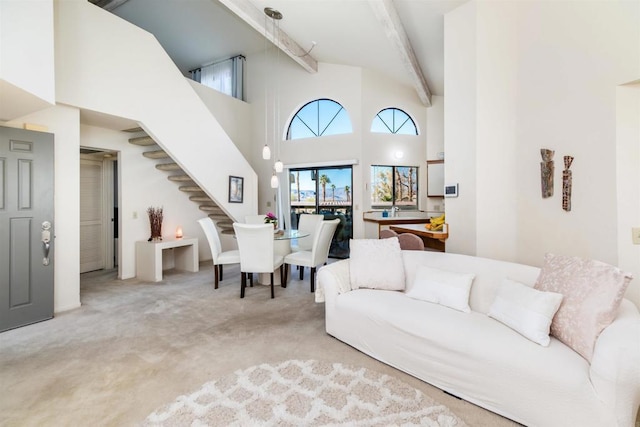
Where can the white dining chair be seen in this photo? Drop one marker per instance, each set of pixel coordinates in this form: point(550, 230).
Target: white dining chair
point(318, 254)
point(255, 243)
point(254, 219)
point(219, 257)
point(306, 223)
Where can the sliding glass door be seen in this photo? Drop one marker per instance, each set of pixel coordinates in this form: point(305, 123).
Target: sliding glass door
point(326, 191)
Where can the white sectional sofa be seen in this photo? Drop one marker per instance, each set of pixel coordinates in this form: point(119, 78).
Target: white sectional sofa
point(478, 358)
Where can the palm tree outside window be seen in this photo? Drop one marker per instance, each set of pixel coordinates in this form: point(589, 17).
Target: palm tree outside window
point(394, 186)
point(325, 191)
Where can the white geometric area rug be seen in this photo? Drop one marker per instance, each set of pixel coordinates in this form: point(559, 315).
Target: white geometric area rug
point(305, 393)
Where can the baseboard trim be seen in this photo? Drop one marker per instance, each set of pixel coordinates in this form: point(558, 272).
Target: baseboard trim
point(67, 308)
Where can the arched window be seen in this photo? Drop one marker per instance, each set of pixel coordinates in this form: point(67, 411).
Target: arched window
point(319, 118)
point(394, 120)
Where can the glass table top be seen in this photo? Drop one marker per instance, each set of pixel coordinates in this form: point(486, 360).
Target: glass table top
point(289, 234)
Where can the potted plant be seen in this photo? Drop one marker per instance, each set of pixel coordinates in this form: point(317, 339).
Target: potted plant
point(270, 218)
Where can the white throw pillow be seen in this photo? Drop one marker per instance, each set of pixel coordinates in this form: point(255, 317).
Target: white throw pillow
point(442, 287)
point(526, 310)
point(376, 264)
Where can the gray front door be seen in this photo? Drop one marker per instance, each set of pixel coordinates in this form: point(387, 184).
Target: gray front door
point(26, 227)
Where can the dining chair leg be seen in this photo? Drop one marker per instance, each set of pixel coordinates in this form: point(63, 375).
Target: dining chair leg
point(301, 272)
point(243, 283)
point(283, 275)
point(312, 279)
point(272, 291)
point(221, 279)
point(215, 274)
point(251, 280)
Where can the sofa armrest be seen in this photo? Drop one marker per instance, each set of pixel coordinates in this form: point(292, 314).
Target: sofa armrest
point(332, 280)
point(615, 366)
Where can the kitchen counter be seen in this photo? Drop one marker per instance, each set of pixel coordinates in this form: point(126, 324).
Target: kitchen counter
point(432, 239)
point(374, 222)
point(397, 220)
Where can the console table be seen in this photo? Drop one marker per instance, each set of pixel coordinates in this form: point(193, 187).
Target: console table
point(183, 255)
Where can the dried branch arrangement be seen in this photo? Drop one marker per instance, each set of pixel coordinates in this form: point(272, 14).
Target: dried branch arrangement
point(155, 220)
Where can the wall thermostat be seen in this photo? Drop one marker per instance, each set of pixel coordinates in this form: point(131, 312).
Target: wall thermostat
point(451, 190)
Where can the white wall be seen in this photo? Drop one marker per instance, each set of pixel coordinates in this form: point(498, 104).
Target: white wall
point(460, 126)
point(515, 89)
point(129, 75)
point(378, 92)
point(232, 114)
point(142, 186)
point(363, 94)
point(26, 57)
point(496, 156)
point(572, 108)
point(435, 127)
point(628, 181)
point(435, 145)
point(64, 122)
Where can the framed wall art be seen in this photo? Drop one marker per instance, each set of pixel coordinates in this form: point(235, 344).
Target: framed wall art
point(236, 189)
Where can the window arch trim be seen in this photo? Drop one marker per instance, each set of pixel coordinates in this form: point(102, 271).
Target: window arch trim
point(393, 129)
point(318, 132)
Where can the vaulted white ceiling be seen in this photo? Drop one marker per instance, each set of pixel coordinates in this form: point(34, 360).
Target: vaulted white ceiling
point(196, 32)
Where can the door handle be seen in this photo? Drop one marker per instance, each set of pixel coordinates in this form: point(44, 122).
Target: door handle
point(46, 241)
point(45, 248)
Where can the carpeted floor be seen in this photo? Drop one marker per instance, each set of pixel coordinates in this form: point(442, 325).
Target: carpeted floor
point(133, 347)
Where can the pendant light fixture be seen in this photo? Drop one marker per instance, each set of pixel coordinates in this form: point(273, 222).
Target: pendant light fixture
point(275, 182)
point(278, 167)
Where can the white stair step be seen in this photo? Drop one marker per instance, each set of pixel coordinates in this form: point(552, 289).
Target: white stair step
point(168, 167)
point(211, 208)
point(156, 154)
point(142, 140)
point(190, 189)
point(179, 178)
point(134, 130)
point(201, 198)
point(218, 216)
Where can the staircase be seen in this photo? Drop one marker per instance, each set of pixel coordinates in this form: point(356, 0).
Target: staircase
point(185, 183)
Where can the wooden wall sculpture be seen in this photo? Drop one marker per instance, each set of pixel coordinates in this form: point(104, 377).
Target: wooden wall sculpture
point(566, 184)
point(546, 172)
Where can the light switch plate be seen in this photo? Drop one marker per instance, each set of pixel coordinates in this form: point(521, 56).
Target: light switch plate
point(635, 235)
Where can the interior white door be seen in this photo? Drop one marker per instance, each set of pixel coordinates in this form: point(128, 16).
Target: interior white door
point(91, 216)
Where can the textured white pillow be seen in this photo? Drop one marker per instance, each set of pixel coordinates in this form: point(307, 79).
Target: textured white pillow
point(442, 287)
point(526, 310)
point(376, 264)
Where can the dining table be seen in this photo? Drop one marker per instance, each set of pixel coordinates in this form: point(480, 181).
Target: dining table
point(282, 246)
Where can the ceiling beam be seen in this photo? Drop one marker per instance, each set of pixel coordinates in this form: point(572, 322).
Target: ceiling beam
point(255, 17)
point(388, 16)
